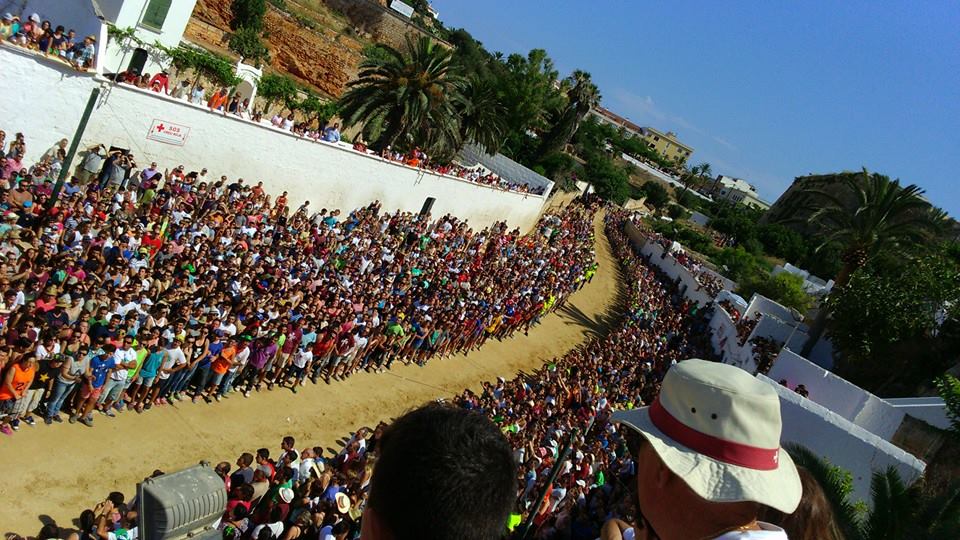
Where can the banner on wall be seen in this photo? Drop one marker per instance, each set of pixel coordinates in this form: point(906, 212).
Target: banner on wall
point(168, 132)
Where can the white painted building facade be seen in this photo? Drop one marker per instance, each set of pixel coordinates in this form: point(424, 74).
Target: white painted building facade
point(155, 21)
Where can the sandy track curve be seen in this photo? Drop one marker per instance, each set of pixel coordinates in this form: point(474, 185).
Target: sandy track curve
point(57, 471)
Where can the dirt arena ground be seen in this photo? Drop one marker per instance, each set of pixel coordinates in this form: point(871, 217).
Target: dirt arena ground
point(54, 472)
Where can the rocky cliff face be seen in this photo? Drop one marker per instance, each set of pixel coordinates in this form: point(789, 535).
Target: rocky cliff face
point(321, 58)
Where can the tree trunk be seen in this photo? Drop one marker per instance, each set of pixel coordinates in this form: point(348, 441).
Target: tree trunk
point(389, 135)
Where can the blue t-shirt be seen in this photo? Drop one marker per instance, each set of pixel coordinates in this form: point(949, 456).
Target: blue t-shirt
point(331, 493)
point(214, 351)
point(151, 365)
point(100, 367)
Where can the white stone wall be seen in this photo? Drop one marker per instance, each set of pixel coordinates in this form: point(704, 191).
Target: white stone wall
point(45, 101)
point(839, 395)
point(842, 442)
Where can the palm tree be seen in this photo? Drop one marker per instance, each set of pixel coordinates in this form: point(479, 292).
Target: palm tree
point(415, 93)
point(482, 116)
point(898, 511)
point(582, 95)
point(872, 215)
point(694, 175)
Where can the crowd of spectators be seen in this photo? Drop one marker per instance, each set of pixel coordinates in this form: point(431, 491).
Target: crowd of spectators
point(706, 279)
point(570, 399)
point(765, 351)
point(286, 493)
point(144, 287)
point(55, 42)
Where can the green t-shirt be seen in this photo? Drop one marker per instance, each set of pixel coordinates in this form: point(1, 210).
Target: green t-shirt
point(141, 356)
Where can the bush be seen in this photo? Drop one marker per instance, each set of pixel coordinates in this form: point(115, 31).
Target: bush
point(689, 200)
point(785, 288)
point(246, 42)
point(675, 211)
point(737, 264)
point(656, 194)
point(248, 14)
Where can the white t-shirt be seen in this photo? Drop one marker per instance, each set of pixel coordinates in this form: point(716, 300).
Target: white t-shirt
point(174, 357)
point(240, 359)
point(275, 528)
point(302, 358)
point(768, 532)
point(228, 329)
point(122, 356)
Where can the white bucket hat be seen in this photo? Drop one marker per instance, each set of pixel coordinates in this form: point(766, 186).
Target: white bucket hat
point(718, 428)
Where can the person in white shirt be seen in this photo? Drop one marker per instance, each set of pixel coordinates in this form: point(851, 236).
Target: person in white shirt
point(126, 359)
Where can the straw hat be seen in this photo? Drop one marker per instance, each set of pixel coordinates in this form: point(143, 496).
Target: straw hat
point(343, 502)
point(286, 495)
point(718, 428)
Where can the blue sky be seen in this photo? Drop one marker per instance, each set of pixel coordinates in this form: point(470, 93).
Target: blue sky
point(766, 91)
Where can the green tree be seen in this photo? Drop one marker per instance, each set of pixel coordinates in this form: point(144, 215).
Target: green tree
point(675, 211)
point(482, 116)
point(317, 109)
point(526, 88)
point(694, 176)
point(782, 242)
point(886, 322)
point(737, 264)
point(608, 179)
point(247, 43)
point(948, 387)
point(582, 96)
point(656, 194)
point(875, 215)
point(415, 94)
point(274, 88)
point(248, 14)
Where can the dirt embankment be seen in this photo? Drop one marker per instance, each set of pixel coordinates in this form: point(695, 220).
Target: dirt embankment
point(325, 58)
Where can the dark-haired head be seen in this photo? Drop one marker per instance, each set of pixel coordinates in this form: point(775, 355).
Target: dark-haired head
point(443, 473)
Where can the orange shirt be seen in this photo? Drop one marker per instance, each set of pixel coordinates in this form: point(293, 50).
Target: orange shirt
point(222, 363)
point(21, 381)
point(217, 100)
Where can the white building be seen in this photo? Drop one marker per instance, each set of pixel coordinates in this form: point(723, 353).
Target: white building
point(738, 191)
point(155, 21)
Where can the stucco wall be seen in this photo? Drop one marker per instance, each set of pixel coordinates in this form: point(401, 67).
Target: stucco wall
point(843, 443)
point(839, 395)
point(327, 175)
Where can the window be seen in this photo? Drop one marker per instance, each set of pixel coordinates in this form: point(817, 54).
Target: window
point(155, 13)
point(656, 138)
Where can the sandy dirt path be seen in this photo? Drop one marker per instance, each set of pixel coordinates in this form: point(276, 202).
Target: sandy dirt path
point(57, 471)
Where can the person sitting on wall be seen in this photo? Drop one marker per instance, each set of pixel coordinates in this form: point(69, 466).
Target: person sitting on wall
point(332, 133)
point(160, 82)
point(85, 52)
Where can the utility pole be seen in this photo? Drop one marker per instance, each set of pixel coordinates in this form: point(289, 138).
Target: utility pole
point(67, 162)
point(527, 526)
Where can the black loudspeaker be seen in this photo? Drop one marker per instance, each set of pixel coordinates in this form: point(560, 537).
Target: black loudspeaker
point(427, 206)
